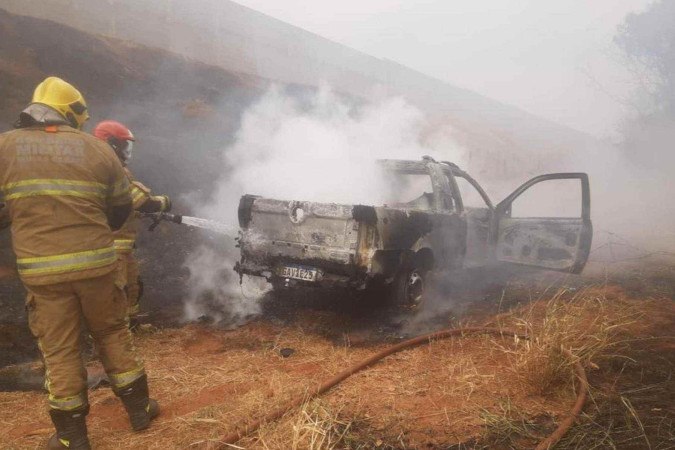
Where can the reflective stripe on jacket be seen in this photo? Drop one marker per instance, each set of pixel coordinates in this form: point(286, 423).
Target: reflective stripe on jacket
point(124, 245)
point(58, 184)
point(125, 237)
point(90, 259)
point(29, 188)
point(138, 196)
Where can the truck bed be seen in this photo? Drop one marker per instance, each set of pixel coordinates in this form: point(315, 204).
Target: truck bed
point(280, 233)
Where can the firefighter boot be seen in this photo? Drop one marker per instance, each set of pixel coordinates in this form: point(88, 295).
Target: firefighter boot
point(71, 429)
point(139, 406)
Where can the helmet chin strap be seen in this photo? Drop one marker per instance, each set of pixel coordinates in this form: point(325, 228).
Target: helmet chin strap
point(123, 152)
point(127, 152)
point(73, 121)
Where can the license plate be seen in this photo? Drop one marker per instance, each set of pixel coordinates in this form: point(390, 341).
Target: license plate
point(298, 273)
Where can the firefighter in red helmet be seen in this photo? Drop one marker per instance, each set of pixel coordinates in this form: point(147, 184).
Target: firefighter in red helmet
point(121, 139)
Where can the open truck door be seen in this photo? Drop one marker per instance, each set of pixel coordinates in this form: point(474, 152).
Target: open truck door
point(546, 223)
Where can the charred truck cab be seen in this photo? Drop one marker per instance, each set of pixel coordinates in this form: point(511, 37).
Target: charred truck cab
point(293, 243)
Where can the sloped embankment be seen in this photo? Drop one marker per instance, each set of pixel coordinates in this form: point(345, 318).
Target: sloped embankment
point(182, 112)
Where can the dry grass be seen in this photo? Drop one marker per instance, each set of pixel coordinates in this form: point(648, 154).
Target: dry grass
point(597, 324)
point(459, 393)
point(584, 322)
point(512, 427)
point(316, 426)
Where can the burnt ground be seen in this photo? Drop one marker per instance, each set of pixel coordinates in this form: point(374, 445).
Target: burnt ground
point(473, 393)
point(362, 318)
point(183, 113)
point(468, 395)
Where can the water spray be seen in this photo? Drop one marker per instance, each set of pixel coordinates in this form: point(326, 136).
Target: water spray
point(196, 222)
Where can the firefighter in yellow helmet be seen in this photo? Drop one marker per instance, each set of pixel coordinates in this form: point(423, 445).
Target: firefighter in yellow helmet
point(65, 191)
point(121, 139)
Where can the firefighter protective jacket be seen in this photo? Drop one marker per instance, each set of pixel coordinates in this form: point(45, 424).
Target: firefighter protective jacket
point(4, 217)
point(125, 237)
point(58, 183)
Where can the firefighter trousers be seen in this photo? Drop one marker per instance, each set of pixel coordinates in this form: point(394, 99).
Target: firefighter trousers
point(56, 314)
point(131, 279)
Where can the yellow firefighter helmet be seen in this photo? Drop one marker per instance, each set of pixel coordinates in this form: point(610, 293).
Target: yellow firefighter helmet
point(64, 98)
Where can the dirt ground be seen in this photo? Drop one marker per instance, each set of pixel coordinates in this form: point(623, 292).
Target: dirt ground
point(465, 392)
point(470, 392)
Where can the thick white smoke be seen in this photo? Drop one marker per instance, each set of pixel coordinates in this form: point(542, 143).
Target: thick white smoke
point(323, 148)
point(320, 148)
point(214, 290)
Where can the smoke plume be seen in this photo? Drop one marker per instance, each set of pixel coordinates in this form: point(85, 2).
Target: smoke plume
point(214, 290)
point(317, 147)
point(320, 148)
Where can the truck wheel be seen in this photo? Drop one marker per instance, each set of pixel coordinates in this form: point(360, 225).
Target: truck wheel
point(410, 287)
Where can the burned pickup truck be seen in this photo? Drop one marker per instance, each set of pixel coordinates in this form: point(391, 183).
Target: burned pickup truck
point(296, 243)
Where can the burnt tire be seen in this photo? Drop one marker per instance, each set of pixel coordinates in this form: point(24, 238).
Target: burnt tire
point(410, 286)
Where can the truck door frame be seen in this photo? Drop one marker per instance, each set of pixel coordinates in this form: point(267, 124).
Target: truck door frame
point(479, 251)
point(583, 235)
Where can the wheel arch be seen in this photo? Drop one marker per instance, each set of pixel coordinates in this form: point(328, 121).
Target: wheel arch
point(424, 258)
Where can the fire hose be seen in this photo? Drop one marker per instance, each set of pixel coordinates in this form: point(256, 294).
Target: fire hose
point(248, 428)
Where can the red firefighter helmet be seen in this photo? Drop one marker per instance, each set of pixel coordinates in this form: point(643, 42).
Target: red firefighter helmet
point(118, 136)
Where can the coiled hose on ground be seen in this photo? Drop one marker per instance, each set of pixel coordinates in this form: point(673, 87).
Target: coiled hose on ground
point(250, 427)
